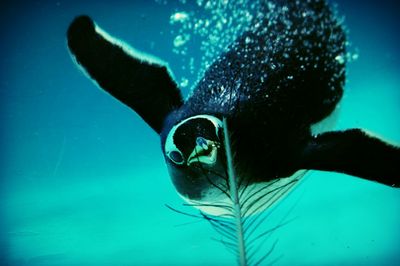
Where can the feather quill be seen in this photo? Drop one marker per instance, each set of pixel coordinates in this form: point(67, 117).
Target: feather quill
point(234, 196)
point(239, 223)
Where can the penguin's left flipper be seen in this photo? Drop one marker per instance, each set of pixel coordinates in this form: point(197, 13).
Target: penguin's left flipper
point(355, 153)
point(142, 84)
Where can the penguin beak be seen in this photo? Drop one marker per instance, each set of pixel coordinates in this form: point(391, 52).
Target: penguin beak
point(205, 152)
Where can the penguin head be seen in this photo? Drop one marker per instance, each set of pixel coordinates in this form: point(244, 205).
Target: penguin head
point(195, 157)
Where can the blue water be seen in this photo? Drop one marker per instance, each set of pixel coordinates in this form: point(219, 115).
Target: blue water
point(83, 180)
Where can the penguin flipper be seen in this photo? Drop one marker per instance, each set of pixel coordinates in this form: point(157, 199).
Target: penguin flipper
point(355, 153)
point(143, 85)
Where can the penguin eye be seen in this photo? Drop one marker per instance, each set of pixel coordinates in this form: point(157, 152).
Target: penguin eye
point(176, 157)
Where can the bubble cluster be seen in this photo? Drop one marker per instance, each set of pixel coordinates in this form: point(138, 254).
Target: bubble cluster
point(209, 27)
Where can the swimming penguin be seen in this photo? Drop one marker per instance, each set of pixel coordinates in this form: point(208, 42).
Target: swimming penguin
point(277, 86)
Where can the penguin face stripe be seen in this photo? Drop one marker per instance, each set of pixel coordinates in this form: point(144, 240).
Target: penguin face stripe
point(172, 151)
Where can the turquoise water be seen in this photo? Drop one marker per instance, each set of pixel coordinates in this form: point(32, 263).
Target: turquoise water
point(83, 181)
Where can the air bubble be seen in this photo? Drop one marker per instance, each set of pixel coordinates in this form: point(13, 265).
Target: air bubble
point(184, 82)
point(340, 59)
point(179, 17)
point(248, 40)
point(180, 40)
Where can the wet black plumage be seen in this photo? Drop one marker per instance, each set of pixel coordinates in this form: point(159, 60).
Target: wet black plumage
point(283, 75)
point(274, 82)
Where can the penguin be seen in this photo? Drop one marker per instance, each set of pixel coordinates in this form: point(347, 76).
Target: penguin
point(277, 86)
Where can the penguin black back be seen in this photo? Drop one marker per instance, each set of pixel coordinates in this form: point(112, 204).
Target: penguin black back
point(273, 84)
point(291, 60)
point(280, 77)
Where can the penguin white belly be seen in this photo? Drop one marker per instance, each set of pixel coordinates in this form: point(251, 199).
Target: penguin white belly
point(254, 198)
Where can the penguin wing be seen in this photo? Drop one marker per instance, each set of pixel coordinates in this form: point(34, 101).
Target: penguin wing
point(142, 84)
point(355, 153)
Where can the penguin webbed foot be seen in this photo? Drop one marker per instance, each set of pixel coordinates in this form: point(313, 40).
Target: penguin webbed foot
point(356, 153)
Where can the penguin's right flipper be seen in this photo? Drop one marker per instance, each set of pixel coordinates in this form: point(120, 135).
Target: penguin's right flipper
point(355, 153)
point(143, 85)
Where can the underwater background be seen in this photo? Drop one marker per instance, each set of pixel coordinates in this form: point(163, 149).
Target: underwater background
point(83, 181)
